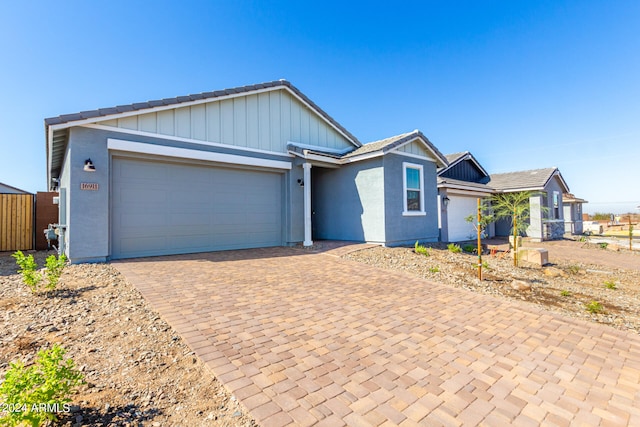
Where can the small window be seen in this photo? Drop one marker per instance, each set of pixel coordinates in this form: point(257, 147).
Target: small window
point(413, 189)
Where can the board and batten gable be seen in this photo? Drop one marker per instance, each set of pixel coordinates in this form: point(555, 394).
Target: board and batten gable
point(416, 148)
point(264, 121)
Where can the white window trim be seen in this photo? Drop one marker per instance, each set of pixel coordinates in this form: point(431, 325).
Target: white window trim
point(405, 212)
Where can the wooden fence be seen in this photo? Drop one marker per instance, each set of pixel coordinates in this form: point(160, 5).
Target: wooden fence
point(16, 222)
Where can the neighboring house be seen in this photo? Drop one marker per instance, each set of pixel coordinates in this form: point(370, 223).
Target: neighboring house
point(572, 207)
point(7, 189)
point(460, 184)
point(553, 211)
point(546, 213)
point(254, 166)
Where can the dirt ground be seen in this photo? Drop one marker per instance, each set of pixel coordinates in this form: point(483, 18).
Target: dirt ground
point(137, 369)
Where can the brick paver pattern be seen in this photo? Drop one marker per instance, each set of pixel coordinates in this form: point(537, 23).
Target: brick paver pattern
point(304, 339)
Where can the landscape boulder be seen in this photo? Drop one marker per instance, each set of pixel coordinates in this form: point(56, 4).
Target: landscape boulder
point(520, 285)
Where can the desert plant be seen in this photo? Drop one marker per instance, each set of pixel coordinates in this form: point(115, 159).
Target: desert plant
point(514, 207)
point(28, 270)
point(565, 293)
point(37, 393)
point(594, 307)
point(54, 267)
point(30, 275)
point(453, 248)
point(610, 284)
point(574, 269)
point(420, 249)
point(434, 269)
point(603, 245)
point(469, 248)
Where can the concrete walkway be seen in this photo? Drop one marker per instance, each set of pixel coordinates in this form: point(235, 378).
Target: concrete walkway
point(302, 338)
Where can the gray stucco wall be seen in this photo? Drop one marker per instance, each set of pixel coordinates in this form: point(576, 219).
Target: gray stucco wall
point(348, 203)
point(88, 212)
point(400, 229)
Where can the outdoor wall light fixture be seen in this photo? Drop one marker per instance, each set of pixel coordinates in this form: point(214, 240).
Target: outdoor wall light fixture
point(88, 166)
point(446, 201)
point(300, 183)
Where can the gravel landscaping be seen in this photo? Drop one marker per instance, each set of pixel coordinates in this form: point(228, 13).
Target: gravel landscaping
point(563, 287)
point(137, 369)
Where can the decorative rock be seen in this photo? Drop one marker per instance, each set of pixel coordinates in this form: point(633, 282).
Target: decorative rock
point(520, 285)
point(554, 272)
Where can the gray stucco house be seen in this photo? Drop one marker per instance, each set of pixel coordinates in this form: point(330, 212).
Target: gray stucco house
point(546, 213)
point(253, 166)
point(460, 184)
point(553, 211)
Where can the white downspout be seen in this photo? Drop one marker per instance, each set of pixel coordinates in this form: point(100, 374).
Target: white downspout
point(307, 204)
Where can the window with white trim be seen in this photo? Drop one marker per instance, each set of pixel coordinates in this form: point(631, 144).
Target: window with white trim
point(413, 187)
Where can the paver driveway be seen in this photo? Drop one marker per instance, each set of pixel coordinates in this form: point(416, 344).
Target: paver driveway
point(304, 338)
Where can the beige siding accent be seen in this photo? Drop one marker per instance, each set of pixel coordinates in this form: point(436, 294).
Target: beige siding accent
point(128, 123)
point(148, 123)
point(416, 148)
point(165, 122)
point(264, 121)
point(199, 122)
point(183, 122)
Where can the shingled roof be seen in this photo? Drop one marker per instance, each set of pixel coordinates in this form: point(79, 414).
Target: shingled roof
point(388, 144)
point(535, 179)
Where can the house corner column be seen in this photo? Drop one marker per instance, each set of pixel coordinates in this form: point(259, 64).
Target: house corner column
point(307, 204)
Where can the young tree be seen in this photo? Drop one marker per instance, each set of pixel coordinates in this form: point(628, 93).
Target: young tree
point(480, 222)
point(515, 207)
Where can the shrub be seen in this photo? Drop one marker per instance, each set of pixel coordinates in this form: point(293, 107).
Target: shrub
point(565, 293)
point(434, 269)
point(469, 248)
point(36, 393)
point(30, 275)
point(594, 307)
point(28, 269)
point(419, 249)
point(574, 269)
point(54, 266)
point(603, 245)
point(609, 284)
point(453, 248)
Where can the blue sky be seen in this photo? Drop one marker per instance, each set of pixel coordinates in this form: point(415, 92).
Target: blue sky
point(521, 85)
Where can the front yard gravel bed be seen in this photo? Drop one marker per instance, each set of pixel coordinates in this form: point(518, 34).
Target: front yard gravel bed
point(581, 283)
point(138, 371)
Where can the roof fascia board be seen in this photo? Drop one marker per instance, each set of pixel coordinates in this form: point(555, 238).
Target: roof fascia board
point(468, 192)
point(185, 153)
point(318, 148)
point(181, 139)
point(466, 188)
point(562, 181)
point(361, 157)
point(413, 156)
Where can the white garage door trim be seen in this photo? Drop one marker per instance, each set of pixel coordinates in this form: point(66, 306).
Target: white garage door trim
point(185, 153)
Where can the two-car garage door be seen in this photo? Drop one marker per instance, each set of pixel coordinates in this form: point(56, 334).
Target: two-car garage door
point(163, 208)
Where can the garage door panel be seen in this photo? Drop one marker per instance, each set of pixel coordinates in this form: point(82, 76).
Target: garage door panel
point(458, 209)
point(182, 208)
